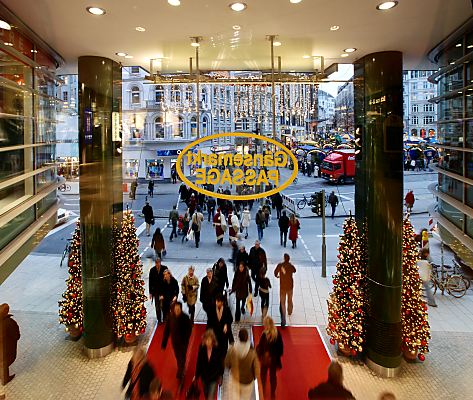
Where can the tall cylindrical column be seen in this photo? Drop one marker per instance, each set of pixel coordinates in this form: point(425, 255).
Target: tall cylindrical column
point(379, 194)
point(100, 193)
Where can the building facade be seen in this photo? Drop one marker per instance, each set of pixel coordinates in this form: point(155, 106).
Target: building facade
point(326, 111)
point(344, 108)
point(419, 113)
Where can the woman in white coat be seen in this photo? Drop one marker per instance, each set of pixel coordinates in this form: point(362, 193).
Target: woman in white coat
point(245, 221)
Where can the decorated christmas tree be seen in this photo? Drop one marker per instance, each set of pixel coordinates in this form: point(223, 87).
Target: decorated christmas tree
point(414, 318)
point(128, 298)
point(70, 308)
point(346, 304)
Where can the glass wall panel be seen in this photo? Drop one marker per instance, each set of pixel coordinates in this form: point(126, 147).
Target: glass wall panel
point(451, 160)
point(10, 195)
point(15, 131)
point(469, 195)
point(469, 226)
point(451, 108)
point(13, 163)
point(469, 165)
point(15, 71)
point(451, 81)
point(451, 213)
point(451, 134)
point(43, 205)
point(14, 227)
point(451, 186)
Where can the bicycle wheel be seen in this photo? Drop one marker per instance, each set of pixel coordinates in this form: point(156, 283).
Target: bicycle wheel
point(301, 204)
point(456, 286)
point(62, 188)
point(64, 254)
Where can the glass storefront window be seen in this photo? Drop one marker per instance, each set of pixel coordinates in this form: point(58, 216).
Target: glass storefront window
point(43, 205)
point(451, 81)
point(131, 168)
point(10, 195)
point(154, 169)
point(469, 226)
point(451, 186)
point(451, 213)
point(469, 165)
point(15, 162)
point(452, 108)
point(14, 227)
point(451, 160)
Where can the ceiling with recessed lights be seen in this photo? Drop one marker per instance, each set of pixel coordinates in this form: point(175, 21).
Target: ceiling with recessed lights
point(237, 40)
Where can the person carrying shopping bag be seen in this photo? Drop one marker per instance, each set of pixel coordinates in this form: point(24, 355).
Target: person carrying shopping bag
point(241, 286)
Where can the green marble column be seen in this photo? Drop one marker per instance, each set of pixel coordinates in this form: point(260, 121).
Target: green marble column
point(100, 192)
point(379, 195)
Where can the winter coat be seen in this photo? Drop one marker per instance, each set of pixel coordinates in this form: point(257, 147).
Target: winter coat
point(197, 218)
point(270, 353)
point(221, 275)
point(157, 243)
point(145, 377)
point(170, 290)
point(208, 291)
point(294, 229)
point(283, 223)
point(241, 257)
point(245, 218)
point(264, 284)
point(209, 370)
point(284, 272)
point(257, 259)
point(180, 329)
point(260, 219)
point(217, 325)
point(156, 279)
point(12, 335)
point(277, 201)
point(148, 213)
point(330, 390)
point(241, 285)
point(243, 363)
point(189, 288)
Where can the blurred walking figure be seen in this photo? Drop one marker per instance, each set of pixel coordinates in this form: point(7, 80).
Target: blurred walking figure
point(264, 287)
point(156, 282)
point(156, 391)
point(257, 260)
point(185, 226)
point(425, 272)
point(220, 320)
point(196, 225)
point(11, 335)
point(270, 350)
point(409, 200)
point(173, 219)
point(151, 188)
point(233, 226)
point(294, 226)
point(244, 366)
point(189, 289)
point(260, 223)
point(138, 376)
point(170, 291)
point(245, 221)
point(220, 225)
point(284, 272)
point(241, 286)
point(209, 368)
point(148, 214)
point(241, 257)
point(179, 327)
point(211, 204)
point(208, 291)
point(283, 228)
point(157, 243)
point(333, 201)
point(333, 388)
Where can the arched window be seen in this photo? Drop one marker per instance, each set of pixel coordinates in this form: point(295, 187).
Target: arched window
point(205, 126)
point(135, 95)
point(193, 126)
point(176, 93)
point(189, 93)
point(159, 128)
point(159, 94)
point(180, 128)
point(204, 95)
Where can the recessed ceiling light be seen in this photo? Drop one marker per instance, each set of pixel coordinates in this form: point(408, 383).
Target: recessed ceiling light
point(295, 1)
point(350, 50)
point(470, 46)
point(344, 55)
point(292, 70)
point(305, 56)
point(121, 54)
point(174, 2)
point(334, 28)
point(277, 44)
point(236, 27)
point(96, 10)
point(140, 29)
point(237, 6)
point(195, 44)
point(5, 25)
point(387, 5)
point(458, 45)
point(8, 44)
point(128, 56)
point(179, 71)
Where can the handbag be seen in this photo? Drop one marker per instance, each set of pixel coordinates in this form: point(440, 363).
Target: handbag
point(152, 221)
point(164, 252)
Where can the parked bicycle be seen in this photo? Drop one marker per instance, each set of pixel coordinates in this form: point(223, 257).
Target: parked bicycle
point(448, 279)
point(66, 252)
point(304, 202)
point(65, 187)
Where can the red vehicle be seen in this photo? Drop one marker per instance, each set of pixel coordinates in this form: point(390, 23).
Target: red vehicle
point(339, 166)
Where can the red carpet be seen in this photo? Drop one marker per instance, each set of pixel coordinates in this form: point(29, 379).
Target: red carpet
point(164, 362)
point(304, 362)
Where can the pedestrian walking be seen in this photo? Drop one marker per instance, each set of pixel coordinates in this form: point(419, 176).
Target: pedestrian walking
point(11, 335)
point(192, 204)
point(173, 219)
point(266, 213)
point(283, 228)
point(257, 260)
point(209, 367)
point(241, 257)
point(174, 175)
point(260, 223)
point(270, 350)
point(409, 200)
point(333, 201)
point(151, 188)
point(333, 388)
point(189, 288)
point(157, 243)
point(264, 286)
point(220, 225)
point(284, 272)
point(220, 320)
point(425, 273)
point(220, 273)
point(234, 254)
point(138, 376)
point(156, 281)
point(183, 191)
point(179, 327)
point(196, 225)
point(241, 286)
point(278, 204)
point(156, 391)
point(294, 226)
point(134, 186)
point(245, 221)
point(185, 226)
point(244, 366)
point(208, 291)
point(211, 204)
point(148, 214)
point(233, 226)
point(169, 293)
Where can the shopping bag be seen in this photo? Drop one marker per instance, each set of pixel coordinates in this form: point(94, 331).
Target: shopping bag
point(150, 253)
point(249, 304)
point(190, 235)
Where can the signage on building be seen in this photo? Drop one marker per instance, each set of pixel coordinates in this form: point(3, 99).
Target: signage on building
point(88, 126)
point(116, 127)
point(168, 153)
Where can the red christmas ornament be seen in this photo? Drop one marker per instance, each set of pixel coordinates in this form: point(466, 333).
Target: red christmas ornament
point(356, 334)
point(421, 357)
point(423, 342)
point(353, 353)
point(142, 330)
point(70, 263)
point(332, 341)
point(335, 281)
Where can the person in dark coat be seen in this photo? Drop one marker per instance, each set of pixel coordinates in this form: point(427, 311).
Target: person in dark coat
point(277, 203)
point(264, 286)
point(209, 368)
point(257, 260)
point(12, 335)
point(211, 204)
point(179, 327)
point(151, 188)
point(148, 214)
point(241, 286)
point(192, 204)
point(241, 257)
point(157, 243)
point(270, 350)
point(220, 320)
point(208, 291)
point(156, 281)
point(333, 388)
point(183, 191)
point(169, 293)
point(220, 273)
point(283, 228)
point(333, 201)
point(139, 373)
point(233, 257)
